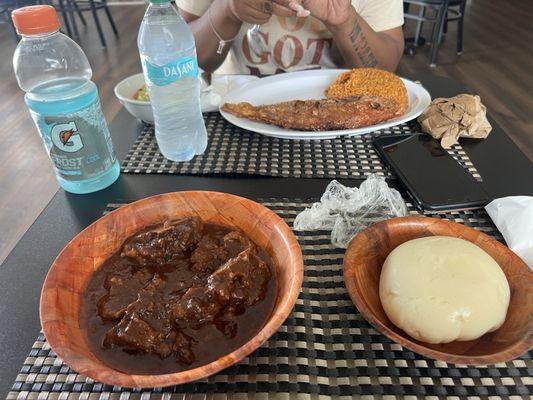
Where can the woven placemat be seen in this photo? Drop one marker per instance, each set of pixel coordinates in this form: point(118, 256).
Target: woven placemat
point(324, 350)
point(234, 151)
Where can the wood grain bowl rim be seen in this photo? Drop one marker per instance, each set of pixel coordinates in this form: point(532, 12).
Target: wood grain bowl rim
point(516, 350)
point(105, 374)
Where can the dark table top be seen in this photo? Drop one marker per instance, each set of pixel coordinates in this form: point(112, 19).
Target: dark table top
point(505, 170)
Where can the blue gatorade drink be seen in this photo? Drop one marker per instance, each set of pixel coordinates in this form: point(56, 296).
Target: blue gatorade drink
point(63, 101)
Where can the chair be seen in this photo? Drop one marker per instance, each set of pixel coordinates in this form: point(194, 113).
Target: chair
point(444, 11)
point(6, 13)
point(69, 7)
point(8, 6)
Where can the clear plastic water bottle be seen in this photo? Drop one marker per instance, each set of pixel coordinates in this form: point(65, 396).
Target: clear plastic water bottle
point(56, 76)
point(168, 56)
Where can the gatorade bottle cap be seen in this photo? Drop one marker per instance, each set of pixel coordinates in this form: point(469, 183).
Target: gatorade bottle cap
point(35, 19)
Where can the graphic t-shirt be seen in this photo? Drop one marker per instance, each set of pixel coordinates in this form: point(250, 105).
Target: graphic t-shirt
point(292, 43)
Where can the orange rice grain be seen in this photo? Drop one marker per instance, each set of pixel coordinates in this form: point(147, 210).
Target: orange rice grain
point(369, 82)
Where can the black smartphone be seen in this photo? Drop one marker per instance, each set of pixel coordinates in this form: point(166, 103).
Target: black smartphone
point(431, 176)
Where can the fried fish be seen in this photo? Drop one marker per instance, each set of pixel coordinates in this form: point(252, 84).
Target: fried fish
point(320, 115)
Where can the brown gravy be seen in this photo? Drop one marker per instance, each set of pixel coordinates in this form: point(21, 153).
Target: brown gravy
point(177, 296)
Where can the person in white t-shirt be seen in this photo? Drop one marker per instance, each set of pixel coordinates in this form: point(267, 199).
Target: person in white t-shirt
point(337, 33)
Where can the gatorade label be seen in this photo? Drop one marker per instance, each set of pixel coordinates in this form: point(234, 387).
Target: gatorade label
point(79, 143)
point(172, 71)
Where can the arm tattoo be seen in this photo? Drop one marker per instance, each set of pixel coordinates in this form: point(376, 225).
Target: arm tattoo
point(361, 47)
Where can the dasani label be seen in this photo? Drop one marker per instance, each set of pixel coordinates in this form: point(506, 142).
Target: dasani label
point(172, 71)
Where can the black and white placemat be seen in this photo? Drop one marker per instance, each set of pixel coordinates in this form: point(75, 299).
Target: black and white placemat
point(324, 350)
point(235, 151)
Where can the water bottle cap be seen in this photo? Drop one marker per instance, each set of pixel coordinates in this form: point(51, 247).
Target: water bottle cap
point(32, 20)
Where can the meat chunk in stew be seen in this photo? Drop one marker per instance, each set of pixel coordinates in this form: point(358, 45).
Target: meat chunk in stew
point(146, 327)
point(162, 246)
point(213, 251)
point(235, 242)
point(122, 289)
point(241, 281)
point(209, 254)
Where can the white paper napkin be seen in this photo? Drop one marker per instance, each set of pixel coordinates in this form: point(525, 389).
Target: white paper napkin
point(220, 85)
point(513, 216)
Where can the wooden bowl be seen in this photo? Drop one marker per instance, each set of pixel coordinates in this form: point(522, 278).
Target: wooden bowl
point(72, 269)
point(362, 268)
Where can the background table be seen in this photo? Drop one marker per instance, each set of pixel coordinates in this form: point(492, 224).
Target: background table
point(505, 170)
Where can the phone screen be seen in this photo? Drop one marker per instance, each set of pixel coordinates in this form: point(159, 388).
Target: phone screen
point(433, 178)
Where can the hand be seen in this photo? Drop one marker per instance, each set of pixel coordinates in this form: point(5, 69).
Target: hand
point(333, 13)
point(256, 11)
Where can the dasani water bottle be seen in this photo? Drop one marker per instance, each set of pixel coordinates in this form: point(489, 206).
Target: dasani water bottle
point(56, 76)
point(168, 56)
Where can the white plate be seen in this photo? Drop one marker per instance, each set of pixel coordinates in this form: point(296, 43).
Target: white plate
point(310, 85)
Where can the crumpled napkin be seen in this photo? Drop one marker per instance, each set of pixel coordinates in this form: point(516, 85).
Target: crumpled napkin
point(513, 216)
point(346, 211)
point(459, 116)
point(212, 95)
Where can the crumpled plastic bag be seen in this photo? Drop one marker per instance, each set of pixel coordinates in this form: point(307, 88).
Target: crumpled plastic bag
point(513, 216)
point(346, 211)
point(459, 116)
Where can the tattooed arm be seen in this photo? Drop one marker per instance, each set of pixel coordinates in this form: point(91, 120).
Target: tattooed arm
point(361, 46)
point(358, 44)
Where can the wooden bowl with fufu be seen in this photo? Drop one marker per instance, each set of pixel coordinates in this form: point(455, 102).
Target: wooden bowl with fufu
point(442, 289)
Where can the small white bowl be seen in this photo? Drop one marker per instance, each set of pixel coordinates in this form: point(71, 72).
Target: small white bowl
point(125, 90)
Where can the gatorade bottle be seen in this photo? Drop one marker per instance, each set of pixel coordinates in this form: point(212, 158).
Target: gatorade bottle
point(63, 101)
